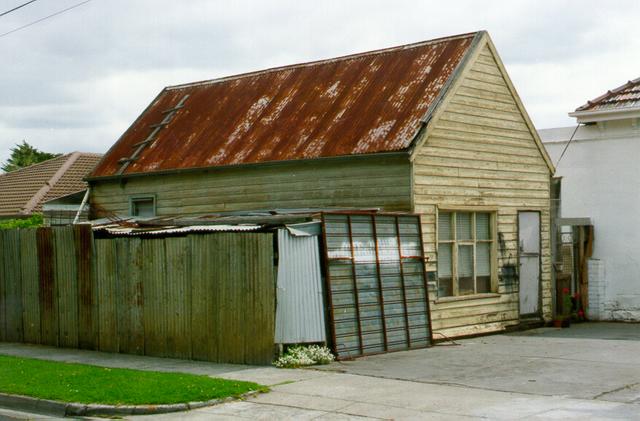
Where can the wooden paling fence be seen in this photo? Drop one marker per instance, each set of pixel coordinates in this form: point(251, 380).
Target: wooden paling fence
point(201, 296)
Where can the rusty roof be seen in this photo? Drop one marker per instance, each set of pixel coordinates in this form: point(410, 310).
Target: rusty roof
point(23, 191)
point(623, 97)
point(358, 104)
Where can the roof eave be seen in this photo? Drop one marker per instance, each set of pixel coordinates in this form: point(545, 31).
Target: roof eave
point(403, 153)
point(606, 115)
point(607, 94)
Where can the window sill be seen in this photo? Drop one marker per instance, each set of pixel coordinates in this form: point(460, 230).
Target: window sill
point(466, 297)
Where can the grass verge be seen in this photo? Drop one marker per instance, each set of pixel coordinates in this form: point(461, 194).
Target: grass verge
point(112, 386)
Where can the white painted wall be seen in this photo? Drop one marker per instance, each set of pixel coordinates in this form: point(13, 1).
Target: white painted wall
point(601, 179)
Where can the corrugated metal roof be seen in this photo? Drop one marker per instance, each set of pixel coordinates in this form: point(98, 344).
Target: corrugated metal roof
point(625, 96)
point(358, 104)
point(23, 191)
point(117, 229)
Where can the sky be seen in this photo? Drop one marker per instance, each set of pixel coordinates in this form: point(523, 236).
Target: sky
point(76, 81)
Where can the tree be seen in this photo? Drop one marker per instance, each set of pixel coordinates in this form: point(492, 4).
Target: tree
point(23, 155)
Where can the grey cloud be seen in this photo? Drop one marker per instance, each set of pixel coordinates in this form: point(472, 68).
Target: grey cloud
point(78, 80)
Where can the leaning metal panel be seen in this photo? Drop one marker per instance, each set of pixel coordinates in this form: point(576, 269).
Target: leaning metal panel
point(376, 283)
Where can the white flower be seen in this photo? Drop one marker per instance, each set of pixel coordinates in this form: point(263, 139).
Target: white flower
point(300, 356)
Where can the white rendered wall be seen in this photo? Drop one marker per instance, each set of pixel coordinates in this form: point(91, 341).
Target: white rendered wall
point(601, 179)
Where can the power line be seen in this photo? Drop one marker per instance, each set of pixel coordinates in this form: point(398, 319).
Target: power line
point(45, 18)
point(16, 8)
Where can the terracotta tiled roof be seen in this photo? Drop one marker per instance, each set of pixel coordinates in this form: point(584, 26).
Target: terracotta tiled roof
point(23, 191)
point(625, 96)
point(359, 104)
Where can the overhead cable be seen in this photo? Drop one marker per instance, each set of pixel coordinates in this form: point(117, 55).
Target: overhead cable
point(16, 8)
point(45, 18)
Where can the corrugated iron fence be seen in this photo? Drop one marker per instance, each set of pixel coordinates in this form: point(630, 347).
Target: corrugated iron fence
point(201, 296)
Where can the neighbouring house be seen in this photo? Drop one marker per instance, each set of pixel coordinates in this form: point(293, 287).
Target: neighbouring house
point(28, 190)
point(434, 128)
point(600, 181)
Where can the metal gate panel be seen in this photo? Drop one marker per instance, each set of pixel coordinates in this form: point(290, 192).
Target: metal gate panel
point(300, 308)
point(376, 283)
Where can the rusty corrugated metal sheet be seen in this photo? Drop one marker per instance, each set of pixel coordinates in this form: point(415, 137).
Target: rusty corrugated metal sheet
point(625, 96)
point(116, 229)
point(364, 103)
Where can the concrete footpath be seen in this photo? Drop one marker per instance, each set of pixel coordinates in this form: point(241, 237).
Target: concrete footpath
point(590, 371)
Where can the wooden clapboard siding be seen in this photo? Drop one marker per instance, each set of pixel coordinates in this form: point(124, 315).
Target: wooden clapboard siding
point(480, 153)
point(364, 182)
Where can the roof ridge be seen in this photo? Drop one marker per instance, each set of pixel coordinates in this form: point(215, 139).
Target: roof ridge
point(97, 154)
point(89, 153)
point(323, 61)
point(37, 164)
point(42, 192)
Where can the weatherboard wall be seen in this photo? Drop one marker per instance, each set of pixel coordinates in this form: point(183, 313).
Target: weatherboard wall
point(359, 182)
point(480, 155)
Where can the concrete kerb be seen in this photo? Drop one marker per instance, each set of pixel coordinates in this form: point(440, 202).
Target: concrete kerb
point(62, 409)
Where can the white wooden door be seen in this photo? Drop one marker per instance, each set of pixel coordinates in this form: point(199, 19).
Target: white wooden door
point(529, 256)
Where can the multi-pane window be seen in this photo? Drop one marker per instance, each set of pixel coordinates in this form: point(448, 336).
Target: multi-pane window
point(465, 241)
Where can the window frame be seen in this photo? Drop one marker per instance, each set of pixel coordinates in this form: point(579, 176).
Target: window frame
point(136, 198)
point(455, 243)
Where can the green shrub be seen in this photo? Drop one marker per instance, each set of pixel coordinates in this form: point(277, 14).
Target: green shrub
point(33, 221)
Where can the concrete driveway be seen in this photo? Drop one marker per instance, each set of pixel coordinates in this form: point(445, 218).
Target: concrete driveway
point(588, 361)
point(590, 371)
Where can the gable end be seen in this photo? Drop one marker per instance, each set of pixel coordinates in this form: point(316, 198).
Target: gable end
point(483, 89)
